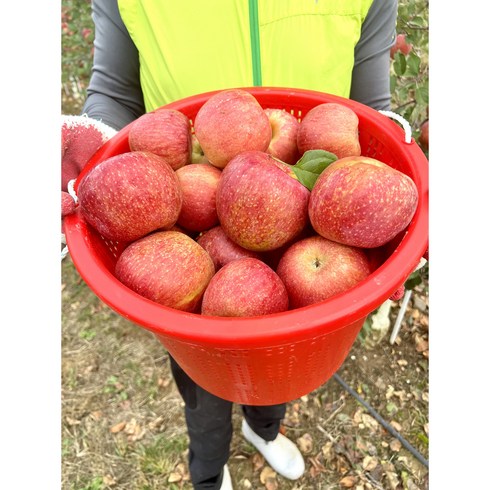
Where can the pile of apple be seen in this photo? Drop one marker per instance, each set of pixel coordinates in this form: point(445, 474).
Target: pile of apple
point(252, 213)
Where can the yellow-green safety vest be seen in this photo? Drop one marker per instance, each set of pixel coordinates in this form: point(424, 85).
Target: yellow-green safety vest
point(185, 49)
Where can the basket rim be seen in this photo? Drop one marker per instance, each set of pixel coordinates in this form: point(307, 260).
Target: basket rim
point(327, 316)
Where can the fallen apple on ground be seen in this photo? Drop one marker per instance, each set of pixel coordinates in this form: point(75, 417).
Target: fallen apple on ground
point(244, 287)
point(332, 127)
point(165, 132)
point(167, 267)
point(130, 195)
point(362, 202)
point(198, 182)
point(230, 122)
point(314, 269)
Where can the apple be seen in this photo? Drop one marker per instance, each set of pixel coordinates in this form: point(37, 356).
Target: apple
point(260, 203)
point(424, 136)
point(244, 287)
point(362, 202)
point(198, 182)
point(130, 195)
point(400, 45)
point(167, 267)
point(165, 132)
point(230, 122)
point(197, 155)
point(332, 127)
point(314, 269)
point(81, 137)
point(68, 205)
point(272, 257)
point(221, 248)
point(284, 133)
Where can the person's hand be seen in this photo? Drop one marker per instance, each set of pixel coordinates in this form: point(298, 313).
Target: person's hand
point(81, 137)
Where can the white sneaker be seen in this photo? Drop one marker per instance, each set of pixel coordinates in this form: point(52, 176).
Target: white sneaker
point(281, 453)
point(226, 483)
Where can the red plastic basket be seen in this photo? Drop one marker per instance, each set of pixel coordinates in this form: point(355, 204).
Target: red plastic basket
point(274, 358)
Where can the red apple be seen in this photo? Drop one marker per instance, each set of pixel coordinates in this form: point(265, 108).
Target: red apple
point(129, 195)
point(260, 203)
point(362, 202)
point(165, 132)
point(244, 287)
point(167, 267)
point(284, 133)
point(68, 205)
point(315, 268)
point(400, 45)
point(332, 127)
point(230, 122)
point(198, 182)
point(81, 137)
point(221, 248)
point(424, 136)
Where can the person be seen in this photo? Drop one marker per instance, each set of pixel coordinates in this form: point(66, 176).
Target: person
point(147, 54)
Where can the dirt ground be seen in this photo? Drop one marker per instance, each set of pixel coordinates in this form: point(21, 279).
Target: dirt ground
point(123, 425)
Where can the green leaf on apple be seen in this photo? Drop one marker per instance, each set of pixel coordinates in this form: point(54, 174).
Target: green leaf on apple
point(311, 165)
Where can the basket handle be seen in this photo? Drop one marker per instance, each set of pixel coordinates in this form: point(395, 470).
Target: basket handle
point(402, 121)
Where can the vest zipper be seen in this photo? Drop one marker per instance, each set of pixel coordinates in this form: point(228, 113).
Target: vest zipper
point(253, 12)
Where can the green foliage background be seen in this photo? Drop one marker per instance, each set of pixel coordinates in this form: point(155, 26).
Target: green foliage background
point(409, 73)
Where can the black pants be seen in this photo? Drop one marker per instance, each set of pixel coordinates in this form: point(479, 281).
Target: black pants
point(209, 427)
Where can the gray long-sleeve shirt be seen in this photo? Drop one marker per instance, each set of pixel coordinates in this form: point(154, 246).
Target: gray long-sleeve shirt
point(115, 96)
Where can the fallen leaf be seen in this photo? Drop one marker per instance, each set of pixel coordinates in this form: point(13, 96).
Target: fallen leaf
point(357, 418)
point(395, 445)
point(421, 344)
point(389, 392)
point(305, 443)
point(163, 382)
point(96, 415)
point(72, 422)
point(369, 421)
point(118, 427)
point(174, 477)
point(108, 480)
point(267, 473)
point(396, 425)
point(348, 481)
point(271, 484)
point(134, 430)
point(328, 452)
point(258, 461)
point(401, 394)
point(182, 470)
point(369, 463)
point(156, 424)
point(316, 466)
point(392, 480)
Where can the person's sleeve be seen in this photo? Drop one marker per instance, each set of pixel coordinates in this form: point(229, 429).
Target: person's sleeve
point(114, 94)
point(371, 73)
